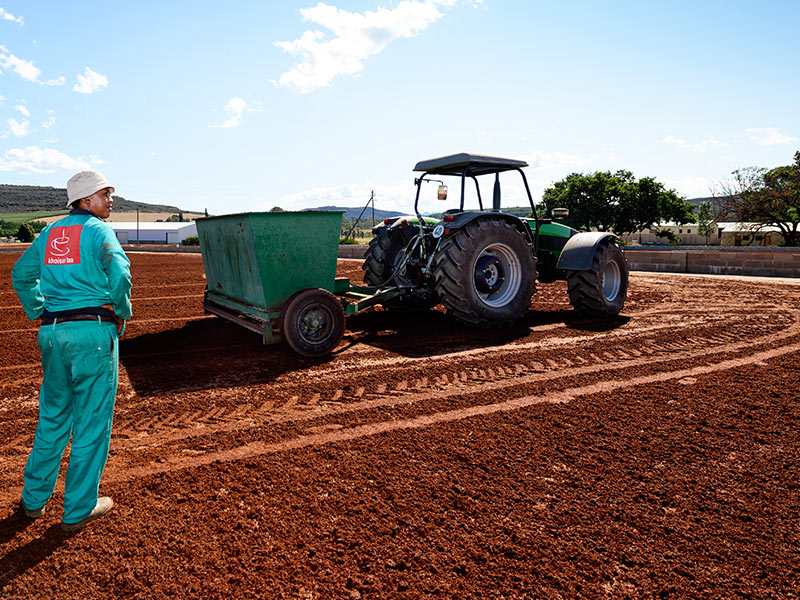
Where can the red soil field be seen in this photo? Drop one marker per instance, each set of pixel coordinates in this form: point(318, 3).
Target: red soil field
point(652, 455)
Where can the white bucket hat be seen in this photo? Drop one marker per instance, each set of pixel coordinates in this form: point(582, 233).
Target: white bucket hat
point(84, 184)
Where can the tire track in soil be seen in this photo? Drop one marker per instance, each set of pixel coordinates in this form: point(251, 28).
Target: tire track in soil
point(342, 434)
point(480, 382)
point(472, 381)
point(484, 380)
point(297, 408)
point(517, 364)
point(556, 342)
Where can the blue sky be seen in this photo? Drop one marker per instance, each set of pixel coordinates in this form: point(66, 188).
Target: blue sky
point(246, 105)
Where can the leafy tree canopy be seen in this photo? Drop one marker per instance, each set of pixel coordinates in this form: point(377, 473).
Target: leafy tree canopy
point(615, 201)
point(774, 199)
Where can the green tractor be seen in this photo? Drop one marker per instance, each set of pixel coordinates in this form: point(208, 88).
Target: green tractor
point(483, 265)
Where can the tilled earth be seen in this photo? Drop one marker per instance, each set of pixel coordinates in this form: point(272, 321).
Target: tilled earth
point(653, 455)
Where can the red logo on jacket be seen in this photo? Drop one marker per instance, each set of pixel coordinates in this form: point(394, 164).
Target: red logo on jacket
point(63, 246)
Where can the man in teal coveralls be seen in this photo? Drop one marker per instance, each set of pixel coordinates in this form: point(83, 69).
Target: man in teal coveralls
point(76, 277)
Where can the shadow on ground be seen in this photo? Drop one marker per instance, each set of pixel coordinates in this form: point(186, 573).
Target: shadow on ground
point(433, 333)
point(21, 559)
point(204, 354)
point(213, 353)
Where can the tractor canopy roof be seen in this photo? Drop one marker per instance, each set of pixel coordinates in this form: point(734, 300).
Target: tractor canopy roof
point(476, 164)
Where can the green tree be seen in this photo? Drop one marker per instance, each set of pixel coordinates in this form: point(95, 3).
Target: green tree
point(705, 220)
point(37, 226)
point(7, 228)
point(615, 201)
point(276, 209)
point(776, 201)
point(25, 233)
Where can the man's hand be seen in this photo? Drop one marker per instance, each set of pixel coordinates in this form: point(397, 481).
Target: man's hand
point(120, 323)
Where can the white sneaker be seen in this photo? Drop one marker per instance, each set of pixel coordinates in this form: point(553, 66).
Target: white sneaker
point(104, 504)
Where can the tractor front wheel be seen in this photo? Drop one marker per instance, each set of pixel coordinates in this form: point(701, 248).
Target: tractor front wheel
point(600, 291)
point(485, 273)
point(312, 322)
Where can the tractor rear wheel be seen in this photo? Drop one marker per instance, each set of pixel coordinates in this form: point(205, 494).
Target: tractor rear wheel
point(380, 262)
point(312, 322)
point(600, 291)
point(485, 273)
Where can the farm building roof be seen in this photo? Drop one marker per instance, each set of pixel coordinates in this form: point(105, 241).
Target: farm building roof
point(150, 226)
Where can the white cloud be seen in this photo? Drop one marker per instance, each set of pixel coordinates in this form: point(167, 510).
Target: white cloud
point(19, 129)
point(21, 67)
point(357, 36)
point(39, 160)
point(235, 109)
point(702, 146)
point(7, 16)
point(23, 109)
point(24, 68)
point(399, 197)
point(769, 136)
point(90, 82)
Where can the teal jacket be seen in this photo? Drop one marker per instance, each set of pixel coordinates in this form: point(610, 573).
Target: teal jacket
point(76, 262)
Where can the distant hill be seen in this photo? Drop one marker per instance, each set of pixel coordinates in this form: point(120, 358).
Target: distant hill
point(34, 198)
point(699, 201)
point(351, 214)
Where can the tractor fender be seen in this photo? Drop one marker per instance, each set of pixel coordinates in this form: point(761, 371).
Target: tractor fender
point(462, 219)
point(579, 250)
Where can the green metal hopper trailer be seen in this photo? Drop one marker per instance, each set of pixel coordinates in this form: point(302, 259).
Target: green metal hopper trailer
point(275, 274)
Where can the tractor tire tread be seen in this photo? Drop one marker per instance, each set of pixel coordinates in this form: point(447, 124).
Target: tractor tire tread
point(585, 288)
point(448, 273)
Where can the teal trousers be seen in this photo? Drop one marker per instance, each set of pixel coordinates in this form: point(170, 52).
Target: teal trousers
point(80, 360)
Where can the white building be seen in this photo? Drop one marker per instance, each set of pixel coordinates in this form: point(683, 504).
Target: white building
point(152, 233)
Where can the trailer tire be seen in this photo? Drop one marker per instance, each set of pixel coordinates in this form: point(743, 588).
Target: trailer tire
point(485, 273)
point(312, 322)
point(379, 266)
point(601, 290)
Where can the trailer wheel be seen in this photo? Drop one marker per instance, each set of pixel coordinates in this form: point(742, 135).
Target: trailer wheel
point(312, 322)
point(485, 273)
point(601, 290)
